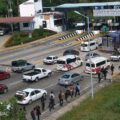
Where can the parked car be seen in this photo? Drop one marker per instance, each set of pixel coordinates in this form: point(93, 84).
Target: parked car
point(71, 52)
point(91, 55)
point(21, 66)
point(28, 95)
point(37, 74)
point(69, 78)
point(4, 75)
point(3, 88)
point(50, 60)
point(115, 57)
point(3, 31)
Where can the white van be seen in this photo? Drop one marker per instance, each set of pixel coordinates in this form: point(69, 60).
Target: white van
point(68, 62)
point(90, 44)
point(96, 64)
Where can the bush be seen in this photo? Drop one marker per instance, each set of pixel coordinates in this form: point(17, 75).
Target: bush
point(23, 37)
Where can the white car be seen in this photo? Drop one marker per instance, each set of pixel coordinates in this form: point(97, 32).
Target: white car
point(115, 57)
point(28, 95)
point(37, 74)
point(50, 60)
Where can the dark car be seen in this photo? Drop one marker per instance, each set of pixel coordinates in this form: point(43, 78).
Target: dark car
point(71, 52)
point(3, 88)
point(4, 75)
point(91, 55)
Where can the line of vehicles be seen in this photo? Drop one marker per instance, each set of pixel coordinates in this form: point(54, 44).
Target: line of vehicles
point(68, 61)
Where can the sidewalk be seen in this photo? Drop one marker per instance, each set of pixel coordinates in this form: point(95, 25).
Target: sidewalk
point(3, 40)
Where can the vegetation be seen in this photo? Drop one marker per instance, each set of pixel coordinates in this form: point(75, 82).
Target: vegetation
point(105, 105)
point(10, 110)
point(4, 4)
point(23, 37)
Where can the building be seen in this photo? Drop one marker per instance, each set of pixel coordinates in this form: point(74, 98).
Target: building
point(48, 20)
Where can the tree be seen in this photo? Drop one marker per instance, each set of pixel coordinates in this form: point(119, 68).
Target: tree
point(10, 110)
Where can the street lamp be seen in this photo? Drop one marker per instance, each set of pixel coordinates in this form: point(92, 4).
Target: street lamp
point(88, 30)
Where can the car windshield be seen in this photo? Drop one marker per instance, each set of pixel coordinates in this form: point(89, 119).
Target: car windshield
point(49, 58)
point(88, 65)
point(84, 45)
point(60, 62)
point(18, 63)
point(21, 95)
point(65, 76)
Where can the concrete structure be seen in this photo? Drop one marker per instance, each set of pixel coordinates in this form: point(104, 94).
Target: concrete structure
point(48, 20)
point(30, 8)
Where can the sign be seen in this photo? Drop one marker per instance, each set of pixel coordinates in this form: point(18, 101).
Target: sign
point(105, 28)
point(106, 12)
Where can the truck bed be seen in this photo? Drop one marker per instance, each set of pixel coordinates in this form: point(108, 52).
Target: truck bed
point(31, 74)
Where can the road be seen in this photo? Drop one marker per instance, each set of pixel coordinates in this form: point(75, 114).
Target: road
point(35, 54)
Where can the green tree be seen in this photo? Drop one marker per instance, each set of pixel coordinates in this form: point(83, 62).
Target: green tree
point(10, 110)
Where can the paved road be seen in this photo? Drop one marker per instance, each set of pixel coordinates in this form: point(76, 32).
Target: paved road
point(35, 54)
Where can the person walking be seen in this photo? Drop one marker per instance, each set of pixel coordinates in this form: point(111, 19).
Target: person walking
point(67, 94)
point(77, 89)
point(60, 96)
point(99, 77)
point(43, 102)
point(51, 101)
point(38, 112)
point(105, 73)
point(71, 89)
point(33, 115)
point(112, 69)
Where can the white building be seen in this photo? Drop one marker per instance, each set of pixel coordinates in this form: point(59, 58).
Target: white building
point(30, 8)
point(48, 20)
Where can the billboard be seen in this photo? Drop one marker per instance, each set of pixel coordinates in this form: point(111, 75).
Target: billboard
point(106, 12)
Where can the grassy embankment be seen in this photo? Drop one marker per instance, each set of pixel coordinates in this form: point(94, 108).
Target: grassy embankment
point(23, 37)
point(105, 106)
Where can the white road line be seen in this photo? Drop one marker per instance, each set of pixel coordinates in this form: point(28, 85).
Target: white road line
point(50, 85)
point(15, 83)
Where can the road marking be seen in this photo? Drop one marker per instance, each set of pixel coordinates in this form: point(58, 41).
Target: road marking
point(15, 83)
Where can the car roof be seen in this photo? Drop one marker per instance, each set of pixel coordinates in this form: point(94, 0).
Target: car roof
point(69, 73)
point(28, 89)
point(66, 57)
point(96, 59)
point(51, 56)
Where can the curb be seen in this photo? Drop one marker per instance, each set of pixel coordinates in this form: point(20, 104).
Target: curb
point(75, 103)
point(32, 43)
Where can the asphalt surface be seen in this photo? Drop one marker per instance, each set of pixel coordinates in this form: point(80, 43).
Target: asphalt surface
point(35, 55)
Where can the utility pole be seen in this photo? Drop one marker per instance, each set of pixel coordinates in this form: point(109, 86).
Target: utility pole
point(10, 13)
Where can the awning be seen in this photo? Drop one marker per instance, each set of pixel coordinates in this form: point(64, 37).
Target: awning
point(16, 19)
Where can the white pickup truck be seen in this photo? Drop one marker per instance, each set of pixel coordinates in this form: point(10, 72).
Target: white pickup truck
point(37, 74)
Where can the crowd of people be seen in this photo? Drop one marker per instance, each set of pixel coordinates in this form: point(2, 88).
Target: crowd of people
point(103, 72)
point(63, 96)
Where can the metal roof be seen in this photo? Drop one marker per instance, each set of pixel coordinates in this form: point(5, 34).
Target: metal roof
point(15, 19)
point(77, 5)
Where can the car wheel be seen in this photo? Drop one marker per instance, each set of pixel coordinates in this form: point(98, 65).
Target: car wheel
point(8, 76)
point(49, 74)
point(33, 67)
point(22, 70)
point(5, 90)
point(36, 79)
point(30, 101)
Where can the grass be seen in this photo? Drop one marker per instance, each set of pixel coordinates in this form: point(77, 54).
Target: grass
point(105, 105)
point(23, 37)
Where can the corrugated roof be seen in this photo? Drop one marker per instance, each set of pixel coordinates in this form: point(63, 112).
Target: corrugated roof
point(77, 5)
point(16, 19)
